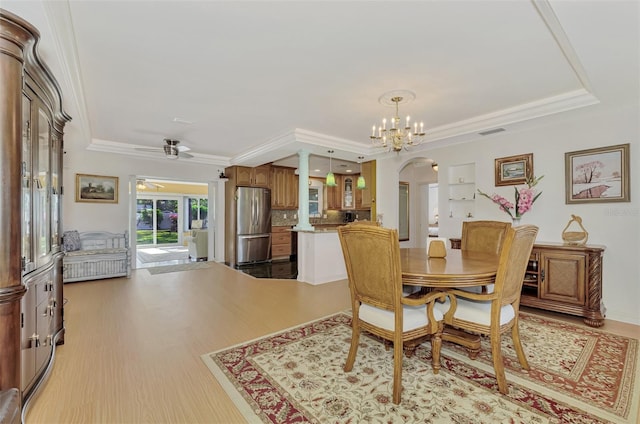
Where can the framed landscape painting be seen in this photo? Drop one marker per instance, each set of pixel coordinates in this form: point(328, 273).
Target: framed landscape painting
point(597, 175)
point(96, 188)
point(514, 170)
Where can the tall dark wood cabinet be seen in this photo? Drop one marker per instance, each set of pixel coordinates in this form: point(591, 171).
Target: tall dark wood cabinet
point(31, 123)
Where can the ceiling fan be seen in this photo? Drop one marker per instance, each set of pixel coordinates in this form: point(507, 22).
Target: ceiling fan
point(171, 149)
point(142, 184)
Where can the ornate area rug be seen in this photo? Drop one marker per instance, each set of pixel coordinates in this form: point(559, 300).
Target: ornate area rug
point(578, 375)
point(175, 268)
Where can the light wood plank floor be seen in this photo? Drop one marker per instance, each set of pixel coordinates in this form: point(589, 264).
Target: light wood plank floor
point(132, 346)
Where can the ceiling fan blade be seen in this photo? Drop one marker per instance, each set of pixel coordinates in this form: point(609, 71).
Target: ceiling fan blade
point(183, 149)
point(185, 155)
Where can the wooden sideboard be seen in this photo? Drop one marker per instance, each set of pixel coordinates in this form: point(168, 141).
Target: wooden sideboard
point(564, 278)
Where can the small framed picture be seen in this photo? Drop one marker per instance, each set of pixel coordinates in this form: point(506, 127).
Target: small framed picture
point(96, 188)
point(514, 170)
point(597, 175)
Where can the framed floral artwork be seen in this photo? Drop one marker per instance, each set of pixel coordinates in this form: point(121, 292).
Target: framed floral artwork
point(96, 188)
point(513, 170)
point(597, 175)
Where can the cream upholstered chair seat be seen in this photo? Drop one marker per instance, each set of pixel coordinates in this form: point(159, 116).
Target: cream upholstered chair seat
point(413, 317)
point(496, 312)
point(476, 311)
point(372, 258)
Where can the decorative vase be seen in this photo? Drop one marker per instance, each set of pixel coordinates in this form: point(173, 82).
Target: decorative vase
point(515, 221)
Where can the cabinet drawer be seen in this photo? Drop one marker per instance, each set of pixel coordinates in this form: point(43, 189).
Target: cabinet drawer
point(280, 251)
point(286, 230)
point(280, 238)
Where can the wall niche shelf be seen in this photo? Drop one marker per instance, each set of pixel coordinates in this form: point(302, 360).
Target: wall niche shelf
point(462, 190)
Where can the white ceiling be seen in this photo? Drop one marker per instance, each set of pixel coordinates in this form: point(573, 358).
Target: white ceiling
point(261, 80)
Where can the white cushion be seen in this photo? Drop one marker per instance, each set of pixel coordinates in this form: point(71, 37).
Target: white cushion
point(71, 241)
point(413, 317)
point(476, 311)
point(97, 251)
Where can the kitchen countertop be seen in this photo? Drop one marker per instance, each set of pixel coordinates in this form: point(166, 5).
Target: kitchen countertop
point(322, 228)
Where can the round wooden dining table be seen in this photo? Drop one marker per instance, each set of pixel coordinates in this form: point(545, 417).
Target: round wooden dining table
point(460, 268)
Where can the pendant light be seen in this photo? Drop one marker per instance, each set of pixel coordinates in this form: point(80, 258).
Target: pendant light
point(331, 179)
point(361, 184)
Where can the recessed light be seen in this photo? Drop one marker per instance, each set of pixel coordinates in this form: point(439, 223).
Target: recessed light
point(182, 121)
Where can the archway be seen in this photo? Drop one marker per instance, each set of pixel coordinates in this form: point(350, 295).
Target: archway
point(422, 180)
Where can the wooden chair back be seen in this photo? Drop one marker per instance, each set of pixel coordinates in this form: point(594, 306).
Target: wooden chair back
point(514, 257)
point(483, 236)
point(377, 224)
point(372, 259)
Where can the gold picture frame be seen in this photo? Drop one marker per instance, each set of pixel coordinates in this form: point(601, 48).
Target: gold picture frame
point(513, 170)
point(96, 188)
point(597, 175)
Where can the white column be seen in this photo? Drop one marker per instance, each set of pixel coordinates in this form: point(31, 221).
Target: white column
point(303, 192)
point(218, 188)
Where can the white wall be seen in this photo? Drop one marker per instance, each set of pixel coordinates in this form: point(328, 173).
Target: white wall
point(115, 217)
point(614, 225)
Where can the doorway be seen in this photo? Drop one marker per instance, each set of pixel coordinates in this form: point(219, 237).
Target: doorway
point(423, 186)
point(157, 220)
point(166, 215)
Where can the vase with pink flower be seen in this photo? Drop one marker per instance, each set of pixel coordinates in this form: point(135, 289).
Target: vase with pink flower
point(524, 199)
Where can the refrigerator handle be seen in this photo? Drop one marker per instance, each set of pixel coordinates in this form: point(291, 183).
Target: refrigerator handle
point(254, 211)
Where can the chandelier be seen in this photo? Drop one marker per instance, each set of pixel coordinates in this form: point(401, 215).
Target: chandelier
point(397, 137)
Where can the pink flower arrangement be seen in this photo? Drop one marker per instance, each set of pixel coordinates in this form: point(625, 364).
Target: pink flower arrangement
point(524, 199)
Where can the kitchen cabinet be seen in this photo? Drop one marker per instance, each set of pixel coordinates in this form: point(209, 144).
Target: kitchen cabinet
point(239, 176)
point(345, 195)
point(281, 243)
point(284, 188)
point(358, 196)
point(32, 124)
point(566, 278)
point(334, 194)
point(348, 193)
point(244, 176)
point(368, 171)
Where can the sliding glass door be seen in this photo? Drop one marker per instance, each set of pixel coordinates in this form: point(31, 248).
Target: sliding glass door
point(199, 212)
point(157, 220)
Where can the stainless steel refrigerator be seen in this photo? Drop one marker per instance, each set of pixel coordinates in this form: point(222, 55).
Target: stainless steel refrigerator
point(253, 225)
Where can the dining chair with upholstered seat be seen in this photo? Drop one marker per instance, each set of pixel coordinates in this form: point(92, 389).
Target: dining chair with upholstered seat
point(495, 313)
point(372, 259)
point(483, 236)
point(366, 222)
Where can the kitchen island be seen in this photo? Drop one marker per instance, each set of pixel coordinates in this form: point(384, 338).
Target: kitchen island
point(320, 257)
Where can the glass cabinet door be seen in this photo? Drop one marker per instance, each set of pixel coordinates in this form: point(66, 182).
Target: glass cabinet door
point(42, 190)
point(55, 190)
point(347, 191)
point(27, 258)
